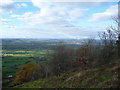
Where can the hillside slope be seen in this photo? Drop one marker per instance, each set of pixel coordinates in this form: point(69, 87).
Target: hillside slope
point(105, 76)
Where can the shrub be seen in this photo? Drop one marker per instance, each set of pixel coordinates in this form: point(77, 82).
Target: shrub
point(28, 72)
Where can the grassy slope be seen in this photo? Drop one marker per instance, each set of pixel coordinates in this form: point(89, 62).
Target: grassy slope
point(101, 77)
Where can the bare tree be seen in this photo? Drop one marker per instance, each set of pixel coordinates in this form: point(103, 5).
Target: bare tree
point(116, 29)
point(61, 60)
point(111, 40)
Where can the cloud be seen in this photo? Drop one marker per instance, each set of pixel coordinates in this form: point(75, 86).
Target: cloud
point(112, 11)
point(43, 3)
point(24, 5)
point(54, 15)
point(20, 5)
point(76, 0)
point(4, 21)
point(54, 20)
point(58, 32)
point(70, 3)
point(77, 13)
point(9, 6)
point(22, 17)
point(6, 5)
point(6, 2)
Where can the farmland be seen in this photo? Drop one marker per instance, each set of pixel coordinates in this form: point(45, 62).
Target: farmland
point(17, 52)
point(11, 60)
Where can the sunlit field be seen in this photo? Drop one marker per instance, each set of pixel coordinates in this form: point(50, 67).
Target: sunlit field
point(13, 59)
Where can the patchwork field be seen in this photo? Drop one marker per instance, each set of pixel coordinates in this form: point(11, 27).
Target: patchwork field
point(11, 60)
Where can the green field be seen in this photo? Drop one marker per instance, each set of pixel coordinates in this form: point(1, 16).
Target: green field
point(12, 60)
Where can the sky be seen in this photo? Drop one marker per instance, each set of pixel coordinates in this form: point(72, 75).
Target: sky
point(55, 20)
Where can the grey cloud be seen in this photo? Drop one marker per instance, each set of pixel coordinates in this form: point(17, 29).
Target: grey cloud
point(8, 7)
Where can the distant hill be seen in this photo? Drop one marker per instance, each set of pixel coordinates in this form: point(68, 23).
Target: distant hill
point(39, 44)
point(35, 44)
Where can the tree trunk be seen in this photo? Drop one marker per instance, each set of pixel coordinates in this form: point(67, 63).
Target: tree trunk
point(118, 45)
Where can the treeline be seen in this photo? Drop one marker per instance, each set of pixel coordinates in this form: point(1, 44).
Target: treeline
point(64, 59)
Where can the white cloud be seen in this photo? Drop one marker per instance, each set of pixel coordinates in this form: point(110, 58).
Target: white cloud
point(76, 0)
point(6, 2)
point(70, 3)
point(47, 3)
point(58, 32)
point(77, 13)
point(54, 20)
point(6, 5)
point(11, 27)
point(9, 5)
point(4, 21)
point(40, 4)
point(112, 11)
point(54, 15)
point(24, 5)
point(21, 5)
point(25, 15)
